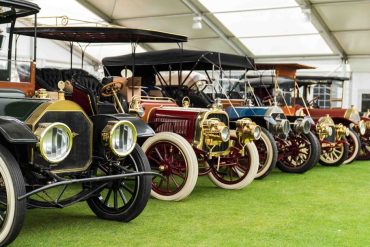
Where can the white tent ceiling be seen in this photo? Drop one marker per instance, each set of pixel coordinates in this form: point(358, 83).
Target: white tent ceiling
point(264, 29)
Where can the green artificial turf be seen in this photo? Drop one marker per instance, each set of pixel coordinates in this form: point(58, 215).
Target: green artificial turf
point(327, 206)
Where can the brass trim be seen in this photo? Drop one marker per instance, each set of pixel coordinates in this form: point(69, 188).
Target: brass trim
point(352, 114)
point(61, 106)
point(199, 136)
point(152, 98)
point(108, 131)
point(40, 133)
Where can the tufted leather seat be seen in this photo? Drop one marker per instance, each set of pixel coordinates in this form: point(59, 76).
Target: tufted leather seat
point(48, 78)
point(87, 82)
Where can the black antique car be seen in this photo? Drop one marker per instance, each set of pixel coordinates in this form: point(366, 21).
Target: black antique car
point(170, 72)
point(188, 141)
point(56, 151)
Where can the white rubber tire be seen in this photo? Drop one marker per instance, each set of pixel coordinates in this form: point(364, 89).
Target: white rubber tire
point(271, 156)
point(254, 163)
point(190, 157)
point(353, 136)
point(14, 186)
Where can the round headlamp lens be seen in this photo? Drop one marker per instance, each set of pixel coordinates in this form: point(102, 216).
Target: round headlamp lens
point(123, 138)
point(286, 127)
point(257, 133)
point(56, 142)
point(306, 126)
point(362, 127)
point(225, 134)
point(330, 130)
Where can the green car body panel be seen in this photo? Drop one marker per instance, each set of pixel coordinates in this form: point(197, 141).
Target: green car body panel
point(19, 108)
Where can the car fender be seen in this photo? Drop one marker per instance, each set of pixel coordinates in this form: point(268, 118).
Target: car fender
point(143, 129)
point(15, 131)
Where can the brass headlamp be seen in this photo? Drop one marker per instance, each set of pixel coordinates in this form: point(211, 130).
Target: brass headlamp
point(324, 130)
point(247, 130)
point(215, 132)
point(362, 127)
point(341, 131)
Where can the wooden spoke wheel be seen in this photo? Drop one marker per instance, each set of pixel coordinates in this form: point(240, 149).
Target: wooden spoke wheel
point(334, 156)
point(300, 153)
point(364, 153)
point(173, 157)
point(235, 171)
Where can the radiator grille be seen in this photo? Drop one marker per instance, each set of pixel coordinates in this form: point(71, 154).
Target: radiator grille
point(80, 155)
point(177, 125)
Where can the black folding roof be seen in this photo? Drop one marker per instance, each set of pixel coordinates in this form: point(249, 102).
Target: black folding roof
point(302, 80)
point(101, 34)
point(178, 59)
point(321, 79)
point(12, 9)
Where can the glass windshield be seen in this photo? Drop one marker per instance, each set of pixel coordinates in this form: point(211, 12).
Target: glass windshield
point(18, 68)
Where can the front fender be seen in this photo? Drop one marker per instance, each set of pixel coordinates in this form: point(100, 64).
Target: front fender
point(15, 131)
point(142, 128)
point(346, 122)
point(293, 118)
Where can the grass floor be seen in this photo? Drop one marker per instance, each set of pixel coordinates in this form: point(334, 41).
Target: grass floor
point(327, 206)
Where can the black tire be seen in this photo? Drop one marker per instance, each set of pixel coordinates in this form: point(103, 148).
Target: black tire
point(354, 146)
point(318, 145)
point(287, 165)
point(338, 162)
point(140, 191)
point(266, 144)
point(12, 180)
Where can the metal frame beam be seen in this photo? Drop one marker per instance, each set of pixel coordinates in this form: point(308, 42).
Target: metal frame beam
point(323, 28)
point(217, 30)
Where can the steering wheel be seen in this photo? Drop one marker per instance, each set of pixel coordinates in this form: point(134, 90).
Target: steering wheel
point(311, 102)
point(110, 89)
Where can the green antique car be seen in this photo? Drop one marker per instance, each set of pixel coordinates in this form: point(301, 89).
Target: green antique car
point(54, 154)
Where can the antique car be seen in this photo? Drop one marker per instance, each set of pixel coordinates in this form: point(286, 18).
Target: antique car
point(185, 136)
point(171, 72)
point(281, 86)
point(357, 123)
point(54, 152)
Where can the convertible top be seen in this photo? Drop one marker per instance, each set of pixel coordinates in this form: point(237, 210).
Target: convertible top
point(12, 9)
point(101, 34)
point(314, 79)
point(303, 80)
point(177, 59)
